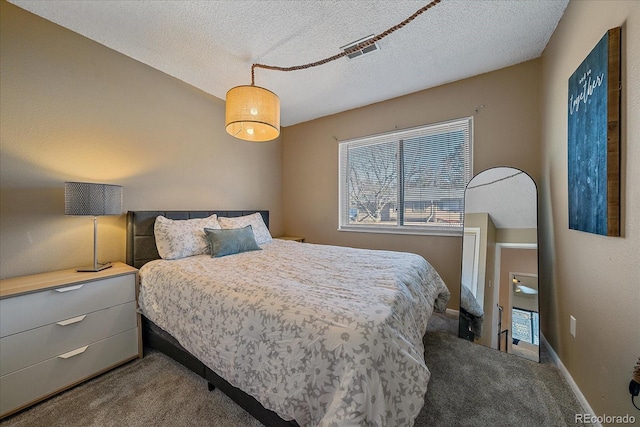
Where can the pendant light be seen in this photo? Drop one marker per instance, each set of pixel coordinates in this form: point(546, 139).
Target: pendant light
point(252, 113)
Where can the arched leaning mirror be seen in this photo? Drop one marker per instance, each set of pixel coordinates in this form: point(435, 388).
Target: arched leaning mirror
point(499, 290)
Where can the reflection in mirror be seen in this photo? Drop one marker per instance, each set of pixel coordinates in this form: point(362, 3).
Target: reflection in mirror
point(499, 289)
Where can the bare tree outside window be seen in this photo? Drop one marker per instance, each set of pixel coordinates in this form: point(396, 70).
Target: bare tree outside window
point(373, 181)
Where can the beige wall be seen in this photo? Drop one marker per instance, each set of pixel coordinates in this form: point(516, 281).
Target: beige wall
point(594, 278)
point(506, 132)
point(517, 235)
point(72, 109)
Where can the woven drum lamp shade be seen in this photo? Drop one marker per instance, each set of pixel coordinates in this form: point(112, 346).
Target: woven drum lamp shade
point(252, 114)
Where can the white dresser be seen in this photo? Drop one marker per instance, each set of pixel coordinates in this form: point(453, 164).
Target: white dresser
point(58, 329)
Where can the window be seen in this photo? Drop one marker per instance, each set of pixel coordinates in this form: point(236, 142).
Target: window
point(406, 181)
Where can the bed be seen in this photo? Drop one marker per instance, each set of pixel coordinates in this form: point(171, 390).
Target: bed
point(295, 333)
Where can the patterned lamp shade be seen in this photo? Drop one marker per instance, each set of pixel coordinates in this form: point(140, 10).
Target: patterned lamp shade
point(83, 198)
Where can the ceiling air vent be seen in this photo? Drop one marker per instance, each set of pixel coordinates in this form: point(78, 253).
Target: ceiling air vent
point(360, 52)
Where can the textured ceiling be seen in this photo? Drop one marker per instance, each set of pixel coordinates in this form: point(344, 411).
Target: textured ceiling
point(212, 44)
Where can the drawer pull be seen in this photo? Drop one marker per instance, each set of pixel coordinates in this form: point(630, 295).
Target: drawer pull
point(69, 288)
point(73, 352)
point(71, 321)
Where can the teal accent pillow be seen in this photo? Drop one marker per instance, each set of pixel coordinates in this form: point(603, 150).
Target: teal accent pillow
point(231, 241)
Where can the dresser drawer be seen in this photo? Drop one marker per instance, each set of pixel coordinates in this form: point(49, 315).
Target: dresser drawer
point(30, 311)
point(27, 348)
point(28, 385)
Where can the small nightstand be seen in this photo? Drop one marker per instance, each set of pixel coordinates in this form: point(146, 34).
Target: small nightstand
point(294, 238)
point(61, 328)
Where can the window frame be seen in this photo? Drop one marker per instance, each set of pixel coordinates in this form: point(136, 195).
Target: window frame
point(401, 134)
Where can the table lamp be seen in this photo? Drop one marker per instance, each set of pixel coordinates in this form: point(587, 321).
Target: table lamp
point(83, 198)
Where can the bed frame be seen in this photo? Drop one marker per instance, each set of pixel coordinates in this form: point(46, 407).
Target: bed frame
point(141, 248)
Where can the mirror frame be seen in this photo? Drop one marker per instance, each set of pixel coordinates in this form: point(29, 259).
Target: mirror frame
point(486, 250)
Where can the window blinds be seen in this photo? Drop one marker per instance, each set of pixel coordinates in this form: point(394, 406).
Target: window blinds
point(406, 179)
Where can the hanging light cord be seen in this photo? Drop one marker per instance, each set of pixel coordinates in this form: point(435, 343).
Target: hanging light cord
point(347, 51)
point(493, 182)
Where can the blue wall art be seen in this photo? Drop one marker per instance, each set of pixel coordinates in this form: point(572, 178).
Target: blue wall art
point(594, 140)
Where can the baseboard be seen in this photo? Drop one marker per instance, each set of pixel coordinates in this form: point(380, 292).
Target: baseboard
point(567, 376)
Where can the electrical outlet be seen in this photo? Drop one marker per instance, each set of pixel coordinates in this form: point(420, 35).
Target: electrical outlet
point(572, 326)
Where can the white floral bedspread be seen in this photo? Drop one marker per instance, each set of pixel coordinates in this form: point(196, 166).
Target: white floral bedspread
point(325, 335)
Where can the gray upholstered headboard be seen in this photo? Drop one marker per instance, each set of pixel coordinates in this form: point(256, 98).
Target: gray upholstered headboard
point(141, 242)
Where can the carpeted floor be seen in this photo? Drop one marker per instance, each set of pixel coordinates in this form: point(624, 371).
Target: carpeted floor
point(470, 386)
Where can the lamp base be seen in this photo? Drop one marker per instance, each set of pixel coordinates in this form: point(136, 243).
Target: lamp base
point(93, 269)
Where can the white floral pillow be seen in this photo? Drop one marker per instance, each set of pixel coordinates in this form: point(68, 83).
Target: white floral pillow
point(181, 238)
point(260, 230)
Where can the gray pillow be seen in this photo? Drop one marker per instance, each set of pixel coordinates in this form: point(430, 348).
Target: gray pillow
point(231, 241)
